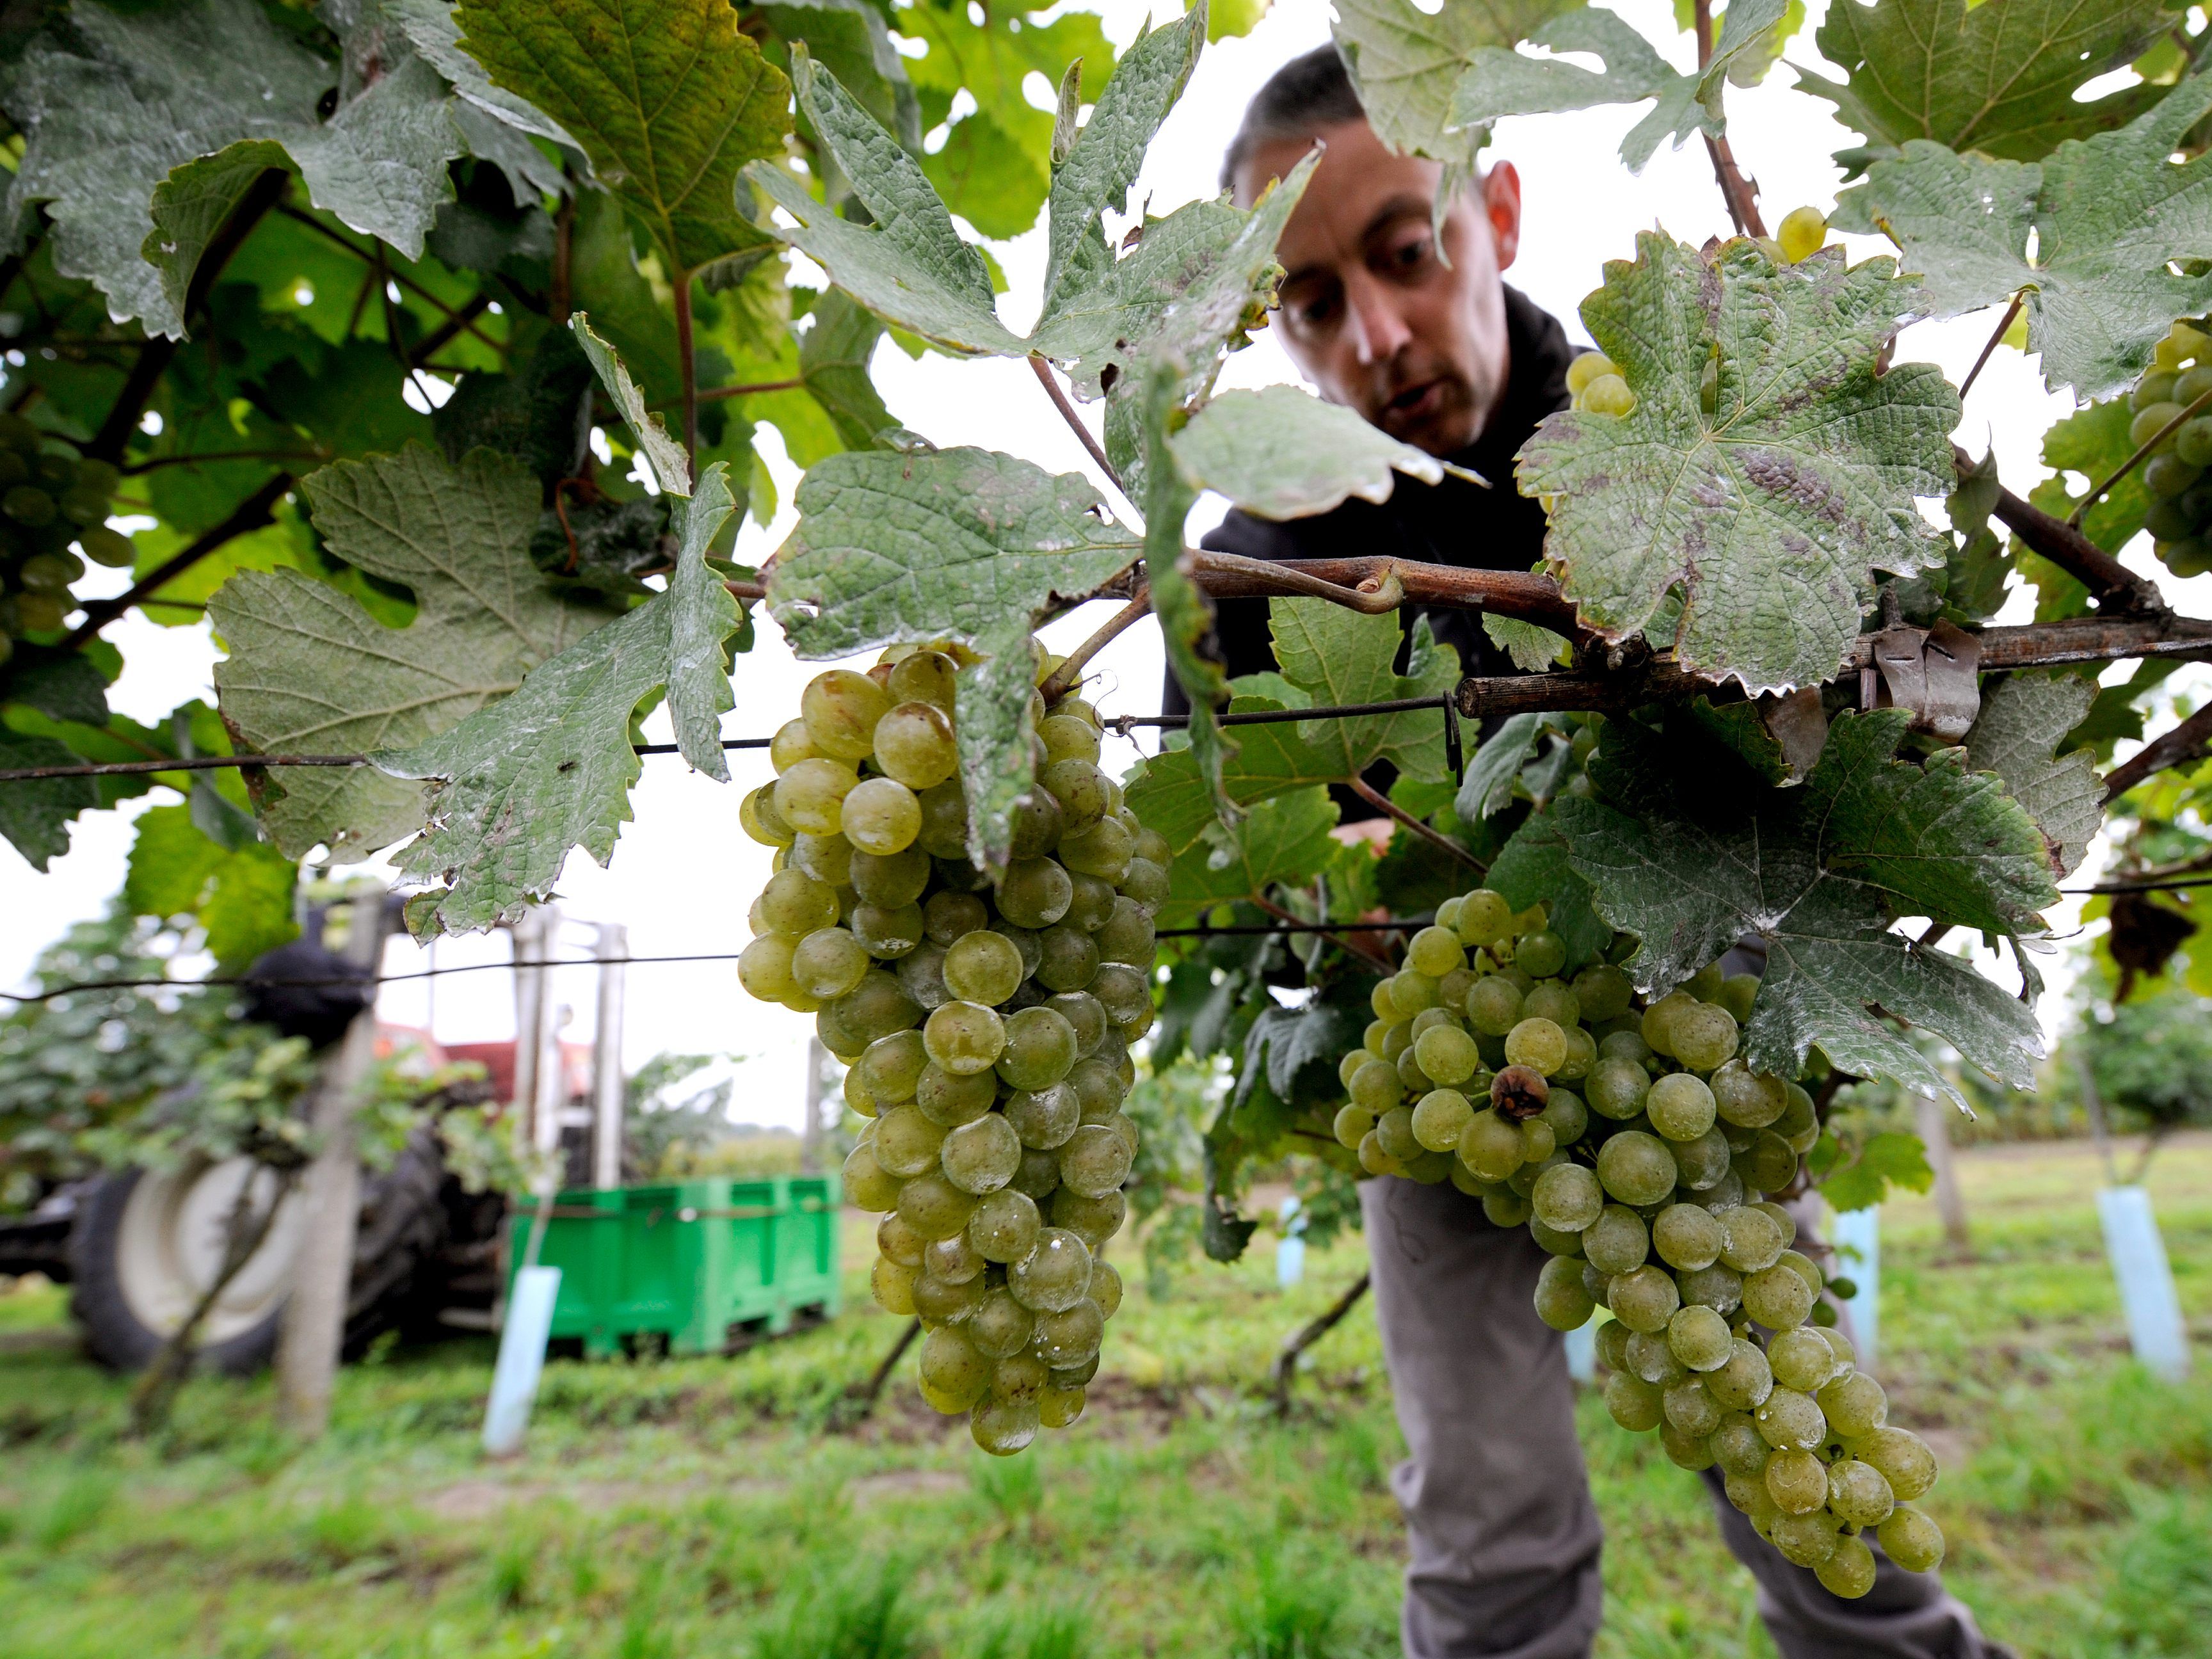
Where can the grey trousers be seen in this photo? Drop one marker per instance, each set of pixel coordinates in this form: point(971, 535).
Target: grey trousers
point(1504, 1538)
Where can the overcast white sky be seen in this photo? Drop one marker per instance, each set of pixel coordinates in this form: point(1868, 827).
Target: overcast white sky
point(684, 874)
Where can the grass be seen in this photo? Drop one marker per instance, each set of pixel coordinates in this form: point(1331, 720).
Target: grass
point(665, 1510)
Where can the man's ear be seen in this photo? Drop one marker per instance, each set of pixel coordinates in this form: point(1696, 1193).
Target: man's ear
point(1501, 204)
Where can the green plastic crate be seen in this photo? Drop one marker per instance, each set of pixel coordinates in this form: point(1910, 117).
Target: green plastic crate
point(704, 1265)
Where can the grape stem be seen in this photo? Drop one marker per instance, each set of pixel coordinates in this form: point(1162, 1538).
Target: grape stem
point(2111, 582)
point(1339, 940)
point(859, 1403)
point(1063, 678)
point(1376, 594)
point(1434, 837)
point(1042, 370)
point(1738, 192)
point(1286, 1368)
point(249, 514)
point(2097, 491)
point(1997, 339)
point(2178, 747)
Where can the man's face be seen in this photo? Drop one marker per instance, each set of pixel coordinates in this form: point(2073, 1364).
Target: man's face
point(1370, 312)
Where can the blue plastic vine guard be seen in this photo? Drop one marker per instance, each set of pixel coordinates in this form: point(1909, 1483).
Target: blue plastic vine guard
point(521, 1358)
point(1856, 1240)
point(2132, 1239)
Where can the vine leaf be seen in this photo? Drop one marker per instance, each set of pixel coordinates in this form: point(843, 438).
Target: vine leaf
point(311, 672)
point(832, 360)
point(550, 767)
point(1171, 796)
point(2109, 214)
point(1532, 646)
point(961, 545)
point(433, 30)
point(1536, 867)
point(1406, 65)
point(1768, 465)
point(851, 38)
point(1101, 162)
point(910, 265)
point(35, 816)
point(668, 98)
point(1500, 80)
point(1283, 453)
point(2024, 718)
point(243, 897)
point(110, 114)
point(1999, 76)
point(1284, 842)
point(671, 467)
point(1488, 786)
point(1690, 864)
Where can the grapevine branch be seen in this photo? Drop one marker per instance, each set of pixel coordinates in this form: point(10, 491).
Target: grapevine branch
point(1443, 843)
point(2110, 583)
point(2186, 742)
point(1042, 370)
point(1339, 940)
point(1997, 339)
point(1064, 678)
point(859, 1403)
point(1738, 192)
point(1286, 1368)
point(374, 257)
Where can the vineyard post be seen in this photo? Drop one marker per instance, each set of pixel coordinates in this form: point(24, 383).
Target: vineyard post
point(313, 1325)
point(1934, 1115)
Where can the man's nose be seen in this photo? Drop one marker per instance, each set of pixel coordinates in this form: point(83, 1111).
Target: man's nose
point(1378, 333)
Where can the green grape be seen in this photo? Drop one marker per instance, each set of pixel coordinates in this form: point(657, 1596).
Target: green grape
point(1748, 1099)
point(981, 1157)
point(1744, 1383)
point(1395, 1129)
point(811, 796)
point(1701, 1165)
point(1430, 1020)
point(1737, 993)
point(906, 1142)
point(1687, 1237)
point(1603, 992)
point(1617, 1088)
point(1083, 1014)
point(1003, 1427)
point(1561, 1300)
point(948, 1100)
point(1540, 954)
point(920, 973)
point(1649, 1357)
point(1040, 1049)
point(1691, 1409)
point(1375, 1087)
point(1657, 1025)
point(1797, 1481)
point(2150, 420)
point(1067, 737)
point(1769, 1165)
point(1684, 1451)
point(892, 1286)
point(1093, 1220)
point(1789, 1419)
point(1094, 1161)
point(1750, 1496)
point(1055, 1275)
point(1125, 992)
point(1000, 1327)
point(1146, 884)
point(758, 818)
point(1854, 1402)
point(1080, 788)
point(1102, 850)
point(1632, 1402)
point(1071, 1335)
point(1644, 1299)
point(1564, 1111)
point(828, 859)
point(952, 1373)
point(1628, 1045)
point(1858, 1494)
point(1617, 1242)
point(1738, 1447)
point(1550, 999)
point(1027, 945)
point(1127, 936)
point(1439, 1119)
point(1351, 1126)
point(1489, 1146)
point(1749, 1239)
point(1500, 1207)
point(857, 1095)
point(1434, 952)
point(794, 904)
point(113, 549)
point(841, 709)
point(1902, 1458)
point(1044, 1118)
point(966, 1037)
point(1090, 902)
point(1719, 1287)
point(28, 505)
point(881, 815)
point(2166, 475)
point(2193, 443)
point(1680, 1106)
point(1035, 893)
point(1353, 1059)
point(1582, 1054)
point(1806, 1541)
point(1636, 1167)
point(1778, 1298)
point(828, 962)
point(927, 677)
point(933, 1206)
point(1850, 1572)
point(954, 1261)
point(887, 935)
point(1538, 1044)
point(1413, 993)
point(944, 821)
point(913, 744)
point(790, 745)
point(982, 967)
point(1911, 1540)
point(891, 1065)
point(1005, 1226)
point(1447, 1056)
point(1568, 1199)
point(936, 1303)
point(1704, 1036)
point(899, 1241)
point(1699, 1338)
point(764, 967)
point(1801, 1359)
point(1097, 1087)
point(1484, 918)
point(866, 1185)
point(875, 1009)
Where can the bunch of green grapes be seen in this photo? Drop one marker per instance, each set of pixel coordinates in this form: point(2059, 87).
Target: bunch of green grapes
point(987, 1027)
point(2180, 516)
point(48, 501)
point(1637, 1147)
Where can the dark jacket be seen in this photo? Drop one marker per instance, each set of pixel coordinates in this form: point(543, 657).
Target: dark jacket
point(1454, 522)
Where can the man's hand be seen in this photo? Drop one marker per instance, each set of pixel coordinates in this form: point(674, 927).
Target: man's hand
point(1375, 831)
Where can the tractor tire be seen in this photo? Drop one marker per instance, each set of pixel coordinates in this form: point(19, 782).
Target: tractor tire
point(145, 1240)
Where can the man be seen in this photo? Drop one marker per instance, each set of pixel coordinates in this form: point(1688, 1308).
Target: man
point(1438, 352)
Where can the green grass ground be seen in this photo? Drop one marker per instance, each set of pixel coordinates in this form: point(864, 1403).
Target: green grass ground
point(671, 1509)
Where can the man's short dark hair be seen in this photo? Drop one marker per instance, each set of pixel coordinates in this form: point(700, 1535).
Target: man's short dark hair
point(1300, 99)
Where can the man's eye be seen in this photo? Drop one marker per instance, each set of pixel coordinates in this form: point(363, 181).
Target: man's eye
point(1413, 254)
